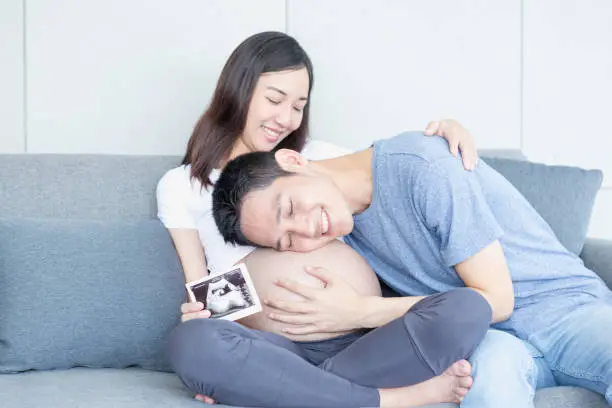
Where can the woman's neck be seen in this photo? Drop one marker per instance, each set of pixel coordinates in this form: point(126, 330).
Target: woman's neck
point(239, 148)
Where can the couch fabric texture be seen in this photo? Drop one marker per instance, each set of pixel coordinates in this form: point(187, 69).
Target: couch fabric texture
point(89, 277)
point(562, 195)
point(81, 292)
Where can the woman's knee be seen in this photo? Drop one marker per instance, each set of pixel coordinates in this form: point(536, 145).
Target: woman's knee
point(448, 326)
point(461, 310)
point(470, 303)
point(199, 343)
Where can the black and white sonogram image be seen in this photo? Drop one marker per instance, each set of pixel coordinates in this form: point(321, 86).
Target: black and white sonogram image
point(229, 295)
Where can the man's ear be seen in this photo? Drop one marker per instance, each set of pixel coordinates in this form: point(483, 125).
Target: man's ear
point(290, 160)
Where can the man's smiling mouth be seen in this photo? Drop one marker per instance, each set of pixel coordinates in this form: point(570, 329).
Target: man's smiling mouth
point(324, 222)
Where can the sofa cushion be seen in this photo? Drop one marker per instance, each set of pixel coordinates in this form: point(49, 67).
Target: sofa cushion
point(96, 388)
point(135, 388)
point(569, 397)
point(563, 195)
point(597, 256)
point(86, 293)
point(502, 153)
point(98, 186)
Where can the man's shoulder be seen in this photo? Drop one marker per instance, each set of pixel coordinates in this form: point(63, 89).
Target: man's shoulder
point(414, 155)
point(414, 144)
point(321, 150)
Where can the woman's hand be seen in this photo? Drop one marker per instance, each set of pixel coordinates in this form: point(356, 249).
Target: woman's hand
point(195, 310)
point(333, 308)
point(458, 139)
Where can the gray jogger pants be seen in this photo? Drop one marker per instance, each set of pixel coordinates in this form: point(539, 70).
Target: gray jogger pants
point(244, 367)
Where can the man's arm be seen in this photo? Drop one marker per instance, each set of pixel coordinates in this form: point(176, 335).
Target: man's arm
point(487, 273)
point(379, 311)
point(456, 211)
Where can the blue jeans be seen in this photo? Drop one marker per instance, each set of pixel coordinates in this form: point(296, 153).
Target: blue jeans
point(576, 350)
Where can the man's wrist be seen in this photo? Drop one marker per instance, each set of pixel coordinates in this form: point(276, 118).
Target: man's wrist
point(378, 311)
point(370, 309)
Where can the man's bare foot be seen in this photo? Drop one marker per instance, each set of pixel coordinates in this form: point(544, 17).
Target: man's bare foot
point(450, 386)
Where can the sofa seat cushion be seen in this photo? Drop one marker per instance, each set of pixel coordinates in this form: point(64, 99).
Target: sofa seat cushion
point(569, 397)
point(86, 293)
point(558, 397)
point(95, 388)
point(137, 388)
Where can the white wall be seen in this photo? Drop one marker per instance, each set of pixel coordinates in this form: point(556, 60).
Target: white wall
point(129, 76)
point(567, 90)
point(132, 76)
point(12, 134)
point(399, 63)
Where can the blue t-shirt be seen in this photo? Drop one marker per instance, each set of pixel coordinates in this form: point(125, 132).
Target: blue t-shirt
point(428, 214)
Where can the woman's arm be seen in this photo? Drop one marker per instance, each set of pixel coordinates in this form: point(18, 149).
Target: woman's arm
point(193, 260)
point(175, 198)
point(172, 192)
point(190, 252)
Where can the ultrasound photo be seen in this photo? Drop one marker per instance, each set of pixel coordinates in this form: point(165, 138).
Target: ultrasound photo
point(229, 295)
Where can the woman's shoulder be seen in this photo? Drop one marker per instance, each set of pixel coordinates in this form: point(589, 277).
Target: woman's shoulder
point(178, 179)
point(178, 172)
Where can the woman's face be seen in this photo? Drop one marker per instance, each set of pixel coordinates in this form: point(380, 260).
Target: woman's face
point(276, 110)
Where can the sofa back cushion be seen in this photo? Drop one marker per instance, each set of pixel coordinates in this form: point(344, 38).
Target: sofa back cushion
point(86, 293)
point(100, 187)
point(564, 196)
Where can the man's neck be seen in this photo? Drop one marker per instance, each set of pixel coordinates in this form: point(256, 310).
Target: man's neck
point(353, 176)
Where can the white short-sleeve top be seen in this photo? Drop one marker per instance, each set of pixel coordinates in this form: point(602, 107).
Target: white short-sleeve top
point(183, 203)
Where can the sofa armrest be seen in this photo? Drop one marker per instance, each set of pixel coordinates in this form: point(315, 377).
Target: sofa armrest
point(597, 256)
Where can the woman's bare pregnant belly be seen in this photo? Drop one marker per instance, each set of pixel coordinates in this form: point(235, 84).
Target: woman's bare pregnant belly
point(268, 265)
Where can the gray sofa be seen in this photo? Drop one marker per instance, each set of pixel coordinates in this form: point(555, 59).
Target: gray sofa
point(90, 284)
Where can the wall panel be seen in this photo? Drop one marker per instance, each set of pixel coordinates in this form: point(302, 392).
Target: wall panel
point(12, 135)
point(382, 67)
point(568, 83)
point(130, 77)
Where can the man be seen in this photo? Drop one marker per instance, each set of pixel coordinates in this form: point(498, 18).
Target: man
point(425, 225)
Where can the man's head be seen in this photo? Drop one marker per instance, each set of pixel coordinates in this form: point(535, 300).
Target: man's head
point(279, 200)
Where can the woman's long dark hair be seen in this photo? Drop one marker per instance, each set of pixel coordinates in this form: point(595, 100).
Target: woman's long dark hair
point(225, 119)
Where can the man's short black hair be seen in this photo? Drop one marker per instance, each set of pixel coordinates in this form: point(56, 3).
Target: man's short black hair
point(245, 173)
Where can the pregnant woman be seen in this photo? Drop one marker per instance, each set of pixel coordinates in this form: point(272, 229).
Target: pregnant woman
point(261, 103)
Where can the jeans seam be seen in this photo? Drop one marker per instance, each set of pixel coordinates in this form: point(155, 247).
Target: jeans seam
point(530, 374)
point(579, 374)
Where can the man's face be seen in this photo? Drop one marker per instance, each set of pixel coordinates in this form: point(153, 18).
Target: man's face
point(296, 213)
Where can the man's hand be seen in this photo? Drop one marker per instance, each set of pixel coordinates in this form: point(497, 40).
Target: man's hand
point(458, 139)
point(336, 307)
